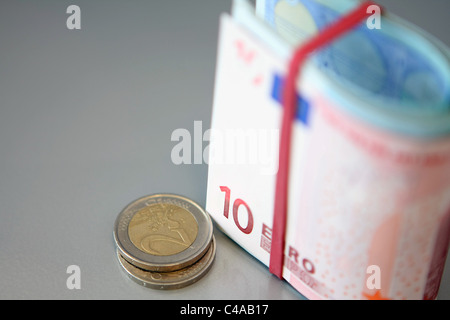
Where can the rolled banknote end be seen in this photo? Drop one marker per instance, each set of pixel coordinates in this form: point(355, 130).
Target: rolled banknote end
point(396, 77)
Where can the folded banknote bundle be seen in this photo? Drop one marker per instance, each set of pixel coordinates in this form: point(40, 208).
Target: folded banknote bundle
point(368, 207)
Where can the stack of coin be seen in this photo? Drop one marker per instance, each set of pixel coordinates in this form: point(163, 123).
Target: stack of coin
point(164, 241)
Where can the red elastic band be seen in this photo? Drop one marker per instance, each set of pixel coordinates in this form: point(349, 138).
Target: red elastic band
point(329, 34)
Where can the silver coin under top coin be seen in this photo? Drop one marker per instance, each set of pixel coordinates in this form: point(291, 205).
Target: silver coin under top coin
point(171, 280)
point(163, 232)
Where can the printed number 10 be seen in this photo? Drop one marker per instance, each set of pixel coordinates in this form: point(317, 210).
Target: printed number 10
point(237, 203)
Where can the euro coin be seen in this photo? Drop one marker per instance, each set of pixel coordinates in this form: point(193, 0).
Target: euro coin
point(171, 280)
point(163, 232)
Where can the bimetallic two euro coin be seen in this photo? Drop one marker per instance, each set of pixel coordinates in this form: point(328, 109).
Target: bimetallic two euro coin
point(171, 280)
point(163, 232)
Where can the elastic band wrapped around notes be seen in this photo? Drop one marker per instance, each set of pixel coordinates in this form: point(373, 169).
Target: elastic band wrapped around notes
point(328, 35)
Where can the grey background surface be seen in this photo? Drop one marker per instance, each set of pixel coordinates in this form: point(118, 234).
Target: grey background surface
point(86, 119)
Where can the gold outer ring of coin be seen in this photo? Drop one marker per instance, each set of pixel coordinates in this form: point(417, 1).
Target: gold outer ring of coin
point(163, 263)
point(171, 280)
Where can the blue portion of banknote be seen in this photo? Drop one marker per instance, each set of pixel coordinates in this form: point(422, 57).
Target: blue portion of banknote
point(385, 62)
point(303, 105)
